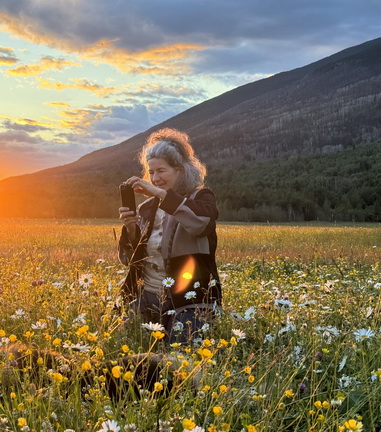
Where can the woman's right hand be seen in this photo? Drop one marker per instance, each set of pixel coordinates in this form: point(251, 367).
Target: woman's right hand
point(129, 219)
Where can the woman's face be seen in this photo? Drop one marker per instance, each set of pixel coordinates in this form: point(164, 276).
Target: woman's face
point(162, 174)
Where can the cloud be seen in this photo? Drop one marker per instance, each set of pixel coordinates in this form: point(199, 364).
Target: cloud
point(26, 125)
point(47, 63)
point(7, 56)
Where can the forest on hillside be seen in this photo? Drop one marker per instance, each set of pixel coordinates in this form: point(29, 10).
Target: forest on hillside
point(340, 186)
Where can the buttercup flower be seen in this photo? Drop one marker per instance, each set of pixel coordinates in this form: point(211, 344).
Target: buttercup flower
point(353, 425)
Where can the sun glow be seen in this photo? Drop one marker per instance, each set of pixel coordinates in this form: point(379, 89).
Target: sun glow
point(186, 272)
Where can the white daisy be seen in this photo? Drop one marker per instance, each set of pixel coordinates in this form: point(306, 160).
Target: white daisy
point(212, 283)
point(239, 334)
point(168, 282)
point(153, 326)
point(283, 304)
point(77, 347)
point(196, 285)
point(250, 313)
point(178, 326)
point(190, 295)
point(205, 327)
point(110, 425)
point(85, 280)
point(171, 312)
point(363, 334)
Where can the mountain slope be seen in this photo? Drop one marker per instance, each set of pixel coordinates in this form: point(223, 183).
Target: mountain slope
point(327, 106)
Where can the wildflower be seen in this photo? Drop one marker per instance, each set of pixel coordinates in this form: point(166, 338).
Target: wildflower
point(195, 429)
point(178, 326)
point(205, 353)
point(196, 285)
point(251, 428)
point(283, 304)
point(85, 280)
point(153, 326)
point(21, 422)
point(318, 404)
point(158, 386)
point(217, 410)
point(250, 313)
point(353, 425)
point(125, 349)
point(171, 312)
point(223, 388)
point(77, 347)
point(239, 334)
point(116, 371)
point(109, 425)
point(189, 424)
point(57, 342)
point(363, 334)
point(57, 377)
point(247, 369)
point(12, 338)
point(158, 334)
point(326, 404)
point(128, 376)
point(86, 366)
point(39, 325)
point(268, 338)
point(190, 295)
point(227, 374)
point(212, 283)
point(289, 393)
point(251, 378)
point(205, 328)
point(82, 330)
point(168, 282)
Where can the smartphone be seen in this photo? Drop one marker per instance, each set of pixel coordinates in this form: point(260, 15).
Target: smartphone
point(128, 197)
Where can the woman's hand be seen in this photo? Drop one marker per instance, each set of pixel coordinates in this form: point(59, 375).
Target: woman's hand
point(146, 188)
point(129, 219)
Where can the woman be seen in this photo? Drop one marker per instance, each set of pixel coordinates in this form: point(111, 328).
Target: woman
point(170, 244)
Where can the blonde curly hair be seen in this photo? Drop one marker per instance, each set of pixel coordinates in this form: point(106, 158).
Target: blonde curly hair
point(174, 147)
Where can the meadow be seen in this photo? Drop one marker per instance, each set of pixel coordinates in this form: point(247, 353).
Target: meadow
point(295, 348)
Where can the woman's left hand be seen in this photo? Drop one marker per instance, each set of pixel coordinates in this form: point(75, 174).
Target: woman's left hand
point(146, 188)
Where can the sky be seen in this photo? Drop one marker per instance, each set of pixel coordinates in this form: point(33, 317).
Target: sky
point(80, 75)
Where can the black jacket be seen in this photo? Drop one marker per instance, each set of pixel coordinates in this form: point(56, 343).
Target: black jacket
point(188, 247)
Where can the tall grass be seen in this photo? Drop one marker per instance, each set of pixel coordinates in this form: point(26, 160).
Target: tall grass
point(296, 348)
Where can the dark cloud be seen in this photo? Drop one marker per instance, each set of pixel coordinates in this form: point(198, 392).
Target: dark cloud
point(23, 127)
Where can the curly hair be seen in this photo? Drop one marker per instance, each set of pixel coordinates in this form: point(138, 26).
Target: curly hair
point(174, 147)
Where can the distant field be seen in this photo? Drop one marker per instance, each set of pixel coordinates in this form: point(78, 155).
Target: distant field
point(296, 347)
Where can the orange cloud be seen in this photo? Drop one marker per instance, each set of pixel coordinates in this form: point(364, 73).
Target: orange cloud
point(47, 63)
point(7, 56)
point(58, 104)
point(81, 84)
point(78, 119)
point(166, 60)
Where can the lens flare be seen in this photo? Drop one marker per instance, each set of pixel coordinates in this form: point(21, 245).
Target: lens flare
point(185, 275)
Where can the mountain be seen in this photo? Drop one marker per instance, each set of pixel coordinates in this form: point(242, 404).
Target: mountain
point(326, 111)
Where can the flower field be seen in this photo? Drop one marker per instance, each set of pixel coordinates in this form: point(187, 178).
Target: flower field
point(295, 348)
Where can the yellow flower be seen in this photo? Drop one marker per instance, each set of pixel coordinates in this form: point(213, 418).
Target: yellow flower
point(83, 330)
point(40, 361)
point(289, 393)
point(116, 371)
point(320, 417)
point(318, 404)
point(125, 349)
point(57, 342)
point(225, 427)
point(251, 428)
point(223, 343)
point(223, 388)
point(217, 410)
point(227, 374)
point(12, 338)
point(341, 428)
point(13, 395)
point(353, 425)
point(205, 353)
point(158, 386)
point(91, 337)
point(189, 424)
point(99, 353)
point(212, 428)
point(158, 334)
point(2, 333)
point(251, 378)
point(57, 377)
point(326, 404)
point(205, 388)
point(128, 376)
point(207, 343)
point(233, 341)
point(86, 366)
point(21, 422)
point(247, 369)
